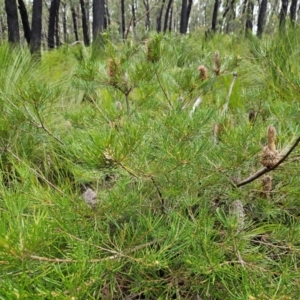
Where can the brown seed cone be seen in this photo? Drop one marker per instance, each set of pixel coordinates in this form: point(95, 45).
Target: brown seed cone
point(271, 138)
point(217, 63)
point(269, 158)
point(203, 72)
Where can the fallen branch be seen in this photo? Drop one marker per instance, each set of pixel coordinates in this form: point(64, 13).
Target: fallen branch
point(265, 170)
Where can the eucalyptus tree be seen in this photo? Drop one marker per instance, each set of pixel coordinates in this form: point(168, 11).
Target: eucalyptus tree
point(36, 25)
point(168, 16)
point(85, 23)
point(261, 17)
point(12, 21)
point(98, 18)
point(293, 11)
point(53, 23)
point(283, 13)
point(25, 21)
point(215, 15)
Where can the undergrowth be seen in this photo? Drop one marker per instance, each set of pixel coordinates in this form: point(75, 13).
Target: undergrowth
point(164, 149)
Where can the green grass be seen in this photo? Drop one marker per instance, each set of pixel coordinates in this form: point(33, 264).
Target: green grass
point(164, 226)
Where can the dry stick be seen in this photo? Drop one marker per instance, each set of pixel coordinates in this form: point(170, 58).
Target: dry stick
point(35, 172)
point(101, 112)
point(95, 260)
point(266, 170)
point(229, 93)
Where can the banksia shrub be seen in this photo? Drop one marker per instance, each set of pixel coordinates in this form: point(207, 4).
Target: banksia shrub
point(217, 63)
point(203, 72)
point(153, 49)
point(270, 155)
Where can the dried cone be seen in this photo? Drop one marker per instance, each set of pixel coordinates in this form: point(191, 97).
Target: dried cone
point(113, 69)
point(203, 72)
point(217, 62)
point(270, 155)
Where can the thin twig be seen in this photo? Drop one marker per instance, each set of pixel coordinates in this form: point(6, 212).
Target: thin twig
point(42, 125)
point(162, 88)
point(95, 260)
point(229, 93)
point(264, 170)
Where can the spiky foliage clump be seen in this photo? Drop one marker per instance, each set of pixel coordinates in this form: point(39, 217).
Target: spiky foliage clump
point(168, 219)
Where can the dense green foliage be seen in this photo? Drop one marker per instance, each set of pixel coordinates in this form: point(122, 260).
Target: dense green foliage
point(122, 123)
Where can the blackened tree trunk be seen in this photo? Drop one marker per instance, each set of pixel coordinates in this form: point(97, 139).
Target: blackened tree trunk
point(25, 21)
point(293, 11)
point(12, 21)
point(36, 25)
point(123, 18)
point(171, 19)
point(189, 9)
point(57, 37)
point(65, 22)
point(74, 19)
point(54, 8)
point(167, 15)
point(147, 21)
point(106, 16)
point(261, 17)
point(159, 17)
point(283, 13)
point(215, 16)
point(183, 17)
point(85, 28)
point(98, 18)
point(249, 17)
point(133, 13)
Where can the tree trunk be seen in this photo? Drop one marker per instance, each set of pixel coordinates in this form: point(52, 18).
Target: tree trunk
point(215, 16)
point(159, 17)
point(189, 9)
point(183, 17)
point(167, 15)
point(249, 17)
point(147, 21)
point(98, 18)
point(106, 16)
point(283, 13)
point(171, 19)
point(123, 18)
point(261, 17)
point(57, 38)
point(85, 28)
point(133, 14)
point(75, 27)
point(12, 21)
point(65, 23)
point(54, 8)
point(36, 26)
point(25, 21)
point(293, 11)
